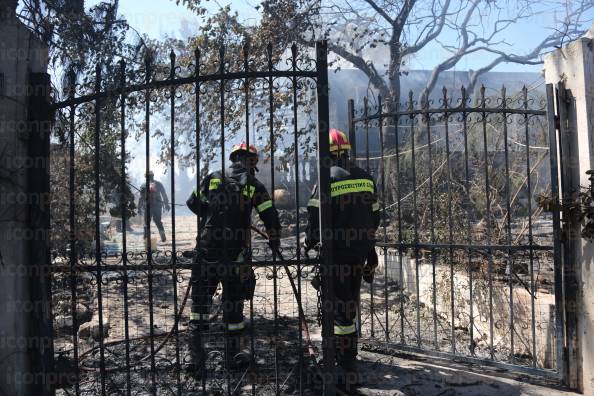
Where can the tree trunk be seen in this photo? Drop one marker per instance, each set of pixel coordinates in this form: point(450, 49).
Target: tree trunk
point(394, 76)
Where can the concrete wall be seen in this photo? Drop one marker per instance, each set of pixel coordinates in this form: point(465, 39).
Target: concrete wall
point(574, 66)
point(20, 54)
point(544, 308)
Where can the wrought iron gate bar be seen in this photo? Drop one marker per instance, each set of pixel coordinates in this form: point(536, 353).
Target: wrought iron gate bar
point(366, 123)
point(450, 220)
point(161, 84)
point(96, 186)
point(450, 110)
point(199, 283)
point(488, 215)
point(72, 227)
point(415, 211)
point(274, 267)
point(396, 118)
point(406, 246)
point(147, 223)
point(295, 105)
point(123, 187)
point(508, 262)
point(110, 363)
point(383, 200)
point(327, 264)
point(174, 275)
point(432, 226)
point(468, 224)
point(248, 259)
point(60, 269)
point(484, 222)
point(530, 236)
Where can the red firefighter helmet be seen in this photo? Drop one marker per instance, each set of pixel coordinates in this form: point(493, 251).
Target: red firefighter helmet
point(242, 148)
point(339, 142)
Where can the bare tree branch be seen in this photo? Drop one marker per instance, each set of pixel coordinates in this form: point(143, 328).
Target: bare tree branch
point(360, 63)
point(438, 23)
point(380, 11)
point(487, 44)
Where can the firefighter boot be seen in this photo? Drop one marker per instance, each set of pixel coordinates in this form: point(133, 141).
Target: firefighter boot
point(346, 358)
point(196, 366)
point(237, 357)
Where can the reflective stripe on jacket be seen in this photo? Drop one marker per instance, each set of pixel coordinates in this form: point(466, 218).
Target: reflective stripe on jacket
point(355, 211)
point(255, 196)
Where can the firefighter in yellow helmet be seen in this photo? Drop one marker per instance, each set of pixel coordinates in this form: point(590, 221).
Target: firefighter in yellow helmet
point(355, 218)
point(224, 204)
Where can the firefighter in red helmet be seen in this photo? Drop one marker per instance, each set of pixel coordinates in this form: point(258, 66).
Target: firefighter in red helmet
point(224, 204)
point(355, 218)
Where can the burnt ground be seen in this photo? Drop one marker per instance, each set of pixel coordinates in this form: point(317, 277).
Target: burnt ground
point(275, 335)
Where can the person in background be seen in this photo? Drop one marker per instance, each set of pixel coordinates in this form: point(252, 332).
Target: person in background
point(158, 202)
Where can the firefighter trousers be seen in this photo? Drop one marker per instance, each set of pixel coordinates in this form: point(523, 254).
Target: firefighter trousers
point(347, 284)
point(206, 277)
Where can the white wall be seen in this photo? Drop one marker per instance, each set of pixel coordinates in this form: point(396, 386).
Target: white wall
point(574, 65)
point(543, 309)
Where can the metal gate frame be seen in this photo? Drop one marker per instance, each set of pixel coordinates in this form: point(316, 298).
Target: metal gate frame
point(559, 107)
point(319, 75)
point(410, 110)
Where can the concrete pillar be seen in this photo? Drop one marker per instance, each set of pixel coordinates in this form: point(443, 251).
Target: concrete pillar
point(573, 66)
point(21, 54)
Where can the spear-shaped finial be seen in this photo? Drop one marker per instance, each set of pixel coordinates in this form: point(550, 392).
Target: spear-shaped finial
point(98, 69)
point(71, 82)
point(172, 60)
point(222, 57)
point(122, 64)
point(148, 60)
point(246, 50)
point(269, 55)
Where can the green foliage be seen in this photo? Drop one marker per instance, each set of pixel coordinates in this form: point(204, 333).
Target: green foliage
point(225, 30)
point(81, 43)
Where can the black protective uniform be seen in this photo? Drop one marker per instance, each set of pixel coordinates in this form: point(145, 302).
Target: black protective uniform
point(225, 210)
point(355, 218)
point(157, 201)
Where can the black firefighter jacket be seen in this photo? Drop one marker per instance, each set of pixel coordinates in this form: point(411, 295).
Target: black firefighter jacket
point(355, 212)
point(224, 220)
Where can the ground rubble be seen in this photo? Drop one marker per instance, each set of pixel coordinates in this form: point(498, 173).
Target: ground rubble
point(392, 375)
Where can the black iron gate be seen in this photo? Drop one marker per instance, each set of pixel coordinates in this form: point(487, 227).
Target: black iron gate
point(120, 296)
point(470, 263)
